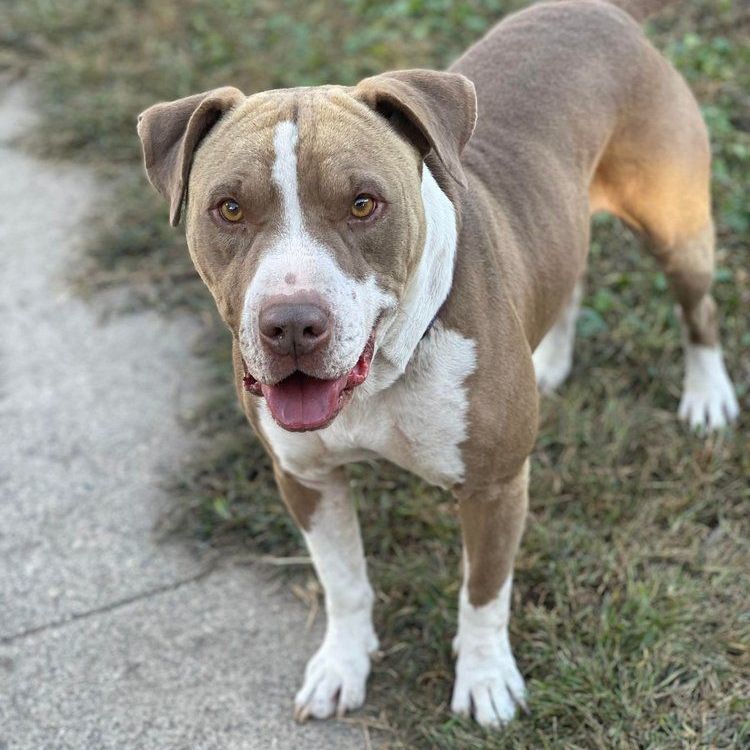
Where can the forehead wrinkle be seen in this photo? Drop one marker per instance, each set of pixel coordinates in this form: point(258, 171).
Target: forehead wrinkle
point(269, 107)
point(239, 140)
point(334, 127)
point(228, 164)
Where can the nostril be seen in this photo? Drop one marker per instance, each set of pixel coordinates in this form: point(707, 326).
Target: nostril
point(313, 332)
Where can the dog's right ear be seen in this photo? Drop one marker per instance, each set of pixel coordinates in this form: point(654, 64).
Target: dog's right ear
point(171, 131)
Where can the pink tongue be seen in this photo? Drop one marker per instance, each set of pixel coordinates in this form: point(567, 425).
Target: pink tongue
point(301, 402)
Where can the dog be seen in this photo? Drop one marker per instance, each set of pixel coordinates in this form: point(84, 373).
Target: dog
point(400, 265)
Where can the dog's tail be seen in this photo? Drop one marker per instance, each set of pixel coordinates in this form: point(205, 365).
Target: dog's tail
point(643, 9)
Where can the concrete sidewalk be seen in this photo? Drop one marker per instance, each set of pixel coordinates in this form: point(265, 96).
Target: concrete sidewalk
point(108, 638)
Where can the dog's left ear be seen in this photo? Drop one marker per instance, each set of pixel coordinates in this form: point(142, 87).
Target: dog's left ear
point(171, 131)
point(434, 110)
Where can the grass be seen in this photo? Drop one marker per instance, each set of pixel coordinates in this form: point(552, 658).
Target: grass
point(632, 598)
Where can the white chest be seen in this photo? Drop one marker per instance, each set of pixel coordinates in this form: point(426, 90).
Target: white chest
point(418, 423)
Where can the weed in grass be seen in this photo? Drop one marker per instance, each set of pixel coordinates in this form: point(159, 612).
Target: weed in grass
point(632, 598)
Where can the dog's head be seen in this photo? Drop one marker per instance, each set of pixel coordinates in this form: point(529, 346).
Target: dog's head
point(307, 219)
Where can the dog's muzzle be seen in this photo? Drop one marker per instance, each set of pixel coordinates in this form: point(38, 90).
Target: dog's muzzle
point(295, 333)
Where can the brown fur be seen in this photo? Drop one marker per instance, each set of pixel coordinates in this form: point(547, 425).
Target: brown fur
point(170, 132)
point(578, 113)
point(565, 129)
point(492, 521)
point(299, 499)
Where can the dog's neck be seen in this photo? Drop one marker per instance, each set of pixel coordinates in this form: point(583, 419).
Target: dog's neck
point(425, 293)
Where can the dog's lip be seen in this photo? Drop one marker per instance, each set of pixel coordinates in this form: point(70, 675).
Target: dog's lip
point(356, 376)
point(251, 384)
point(330, 394)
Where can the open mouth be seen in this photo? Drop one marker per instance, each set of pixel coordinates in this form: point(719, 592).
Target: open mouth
point(302, 402)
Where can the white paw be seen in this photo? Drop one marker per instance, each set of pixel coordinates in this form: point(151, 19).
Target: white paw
point(552, 368)
point(488, 685)
point(553, 358)
point(335, 677)
point(708, 401)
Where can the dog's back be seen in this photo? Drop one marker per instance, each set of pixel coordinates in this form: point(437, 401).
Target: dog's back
point(579, 113)
point(640, 10)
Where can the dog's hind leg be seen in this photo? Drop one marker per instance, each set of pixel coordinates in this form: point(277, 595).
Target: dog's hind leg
point(708, 398)
point(553, 358)
point(655, 175)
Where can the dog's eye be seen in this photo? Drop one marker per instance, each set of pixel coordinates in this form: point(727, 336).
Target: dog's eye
point(363, 206)
point(230, 210)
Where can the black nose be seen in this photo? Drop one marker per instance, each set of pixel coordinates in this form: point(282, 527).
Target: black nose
point(296, 328)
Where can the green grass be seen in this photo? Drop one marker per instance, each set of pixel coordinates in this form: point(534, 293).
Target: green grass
point(632, 597)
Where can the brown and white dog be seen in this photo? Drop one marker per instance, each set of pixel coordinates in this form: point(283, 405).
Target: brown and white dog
point(400, 263)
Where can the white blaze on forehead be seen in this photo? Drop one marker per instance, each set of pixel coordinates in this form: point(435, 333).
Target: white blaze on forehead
point(296, 261)
point(284, 175)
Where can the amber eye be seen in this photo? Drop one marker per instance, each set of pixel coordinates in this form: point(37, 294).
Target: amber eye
point(363, 206)
point(230, 210)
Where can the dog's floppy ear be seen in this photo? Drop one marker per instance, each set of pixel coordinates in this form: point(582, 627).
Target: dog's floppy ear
point(171, 131)
point(434, 110)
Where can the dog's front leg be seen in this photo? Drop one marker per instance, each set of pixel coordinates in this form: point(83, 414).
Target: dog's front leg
point(335, 676)
point(488, 684)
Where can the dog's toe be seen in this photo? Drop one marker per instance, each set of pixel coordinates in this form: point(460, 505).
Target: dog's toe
point(329, 693)
point(709, 410)
point(488, 686)
point(335, 680)
point(708, 401)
